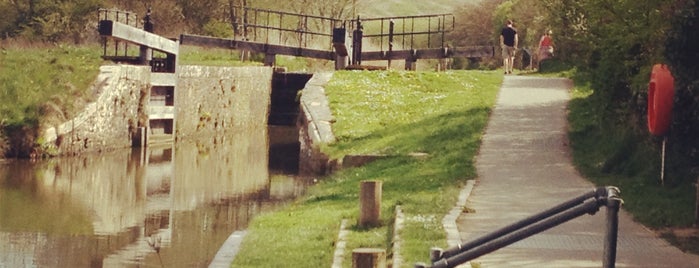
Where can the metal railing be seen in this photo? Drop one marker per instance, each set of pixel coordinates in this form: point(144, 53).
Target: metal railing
point(407, 31)
point(588, 203)
point(283, 28)
point(120, 49)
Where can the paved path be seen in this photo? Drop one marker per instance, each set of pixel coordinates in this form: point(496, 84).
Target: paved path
point(524, 167)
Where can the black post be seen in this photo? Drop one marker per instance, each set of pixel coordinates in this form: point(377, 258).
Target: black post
point(613, 203)
point(391, 26)
point(147, 22)
point(357, 44)
point(602, 196)
point(523, 223)
point(588, 207)
point(145, 54)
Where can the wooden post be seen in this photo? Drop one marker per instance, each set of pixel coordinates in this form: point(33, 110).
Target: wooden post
point(370, 204)
point(340, 62)
point(442, 65)
point(341, 48)
point(369, 258)
point(140, 138)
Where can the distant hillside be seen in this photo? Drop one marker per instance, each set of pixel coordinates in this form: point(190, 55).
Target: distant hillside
point(386, 8)
point(390, 8)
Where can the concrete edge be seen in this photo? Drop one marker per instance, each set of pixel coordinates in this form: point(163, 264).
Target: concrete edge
point(340, 245)
point(316, 108)
point(449, 220)
point(225, 255)
point(396, 259)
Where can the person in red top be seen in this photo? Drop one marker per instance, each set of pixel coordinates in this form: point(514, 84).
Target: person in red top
point(508, 43)
point(545, 47)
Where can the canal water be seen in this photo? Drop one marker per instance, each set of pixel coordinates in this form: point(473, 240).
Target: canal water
point(156, 207)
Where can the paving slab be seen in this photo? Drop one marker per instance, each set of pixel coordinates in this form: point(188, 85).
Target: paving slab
point(524, 167)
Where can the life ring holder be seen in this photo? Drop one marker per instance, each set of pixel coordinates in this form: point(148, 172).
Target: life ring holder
point(661, 93)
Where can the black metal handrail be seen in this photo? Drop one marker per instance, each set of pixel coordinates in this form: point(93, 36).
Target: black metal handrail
point(282, 25)
point(412, 27)
point(125, 17)
point(121, 49)
point(588, 203)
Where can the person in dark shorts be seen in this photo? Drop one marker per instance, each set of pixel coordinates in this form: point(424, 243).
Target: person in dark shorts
point(508, 43)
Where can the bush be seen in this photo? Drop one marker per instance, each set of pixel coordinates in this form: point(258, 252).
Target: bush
point(218, 28)
point(681, 53)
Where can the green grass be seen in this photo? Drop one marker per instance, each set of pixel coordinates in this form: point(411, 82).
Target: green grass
point(33, 77)
point(609, 152)
point(396, 113)
point(192, 55)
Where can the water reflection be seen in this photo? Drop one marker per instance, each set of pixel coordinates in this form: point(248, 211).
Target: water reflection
point(160, 207)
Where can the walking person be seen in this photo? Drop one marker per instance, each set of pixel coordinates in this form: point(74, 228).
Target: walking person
point(545, 48)
point(508, 43)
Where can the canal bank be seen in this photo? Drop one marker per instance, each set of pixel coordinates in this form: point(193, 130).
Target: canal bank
point(147, 196)
point(209, 101)
point(435, 115)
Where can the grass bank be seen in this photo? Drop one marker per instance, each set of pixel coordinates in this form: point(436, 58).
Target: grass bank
point(51, 82)
point(33, 77)
point(608, 151)
point(396, 113)
point(41, 82)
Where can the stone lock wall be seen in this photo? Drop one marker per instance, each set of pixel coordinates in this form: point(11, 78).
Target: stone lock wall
point(107, 122)
point(210, 100)
point(315, 127)
point(207, 101)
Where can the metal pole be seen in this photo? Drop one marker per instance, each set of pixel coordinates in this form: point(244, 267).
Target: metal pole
point(429, 31)
point(525, 222)
point(357, 44)
point(391, 26)
point(443, 27)
point(589, 207)
point(613, 204)
point(381, 36)
point(662, 163)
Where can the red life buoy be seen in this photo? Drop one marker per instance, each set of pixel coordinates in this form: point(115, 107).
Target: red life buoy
point(661, 92)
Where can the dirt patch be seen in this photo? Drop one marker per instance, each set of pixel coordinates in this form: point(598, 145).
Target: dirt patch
point(686, 239)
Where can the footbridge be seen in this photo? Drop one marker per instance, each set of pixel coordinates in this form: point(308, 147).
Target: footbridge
point(349, 43)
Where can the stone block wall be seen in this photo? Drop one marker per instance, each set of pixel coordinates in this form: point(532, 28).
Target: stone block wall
point(315, 127)
point(106, 123)
point(210, 100)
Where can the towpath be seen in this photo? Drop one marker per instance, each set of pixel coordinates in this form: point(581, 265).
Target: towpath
point(524, 167)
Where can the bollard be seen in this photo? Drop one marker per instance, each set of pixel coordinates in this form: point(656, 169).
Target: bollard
point(370, 204)
point(369, 258)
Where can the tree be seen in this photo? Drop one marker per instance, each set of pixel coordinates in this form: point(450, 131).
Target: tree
point(475, 26)
point(47, 20)
point(681, 52)
point(10, 19)
point(616, 42)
